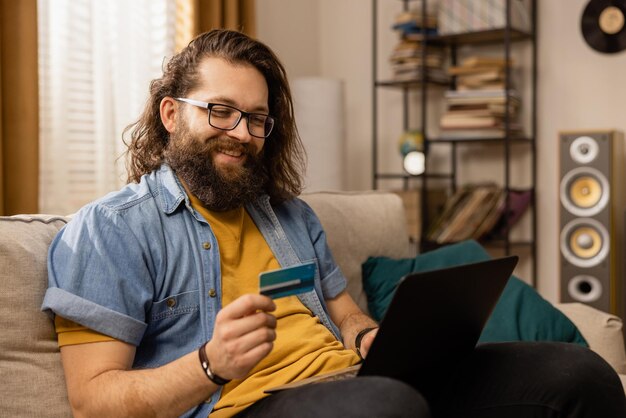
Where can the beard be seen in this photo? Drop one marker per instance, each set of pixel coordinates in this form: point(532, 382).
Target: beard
point(219, 189)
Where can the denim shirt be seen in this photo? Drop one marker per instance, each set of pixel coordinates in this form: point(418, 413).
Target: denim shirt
point(142, 266)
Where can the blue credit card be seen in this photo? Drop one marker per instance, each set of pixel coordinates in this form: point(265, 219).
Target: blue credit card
point(287, 281)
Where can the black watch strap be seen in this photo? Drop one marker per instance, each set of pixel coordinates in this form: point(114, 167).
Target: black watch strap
point(359, 337)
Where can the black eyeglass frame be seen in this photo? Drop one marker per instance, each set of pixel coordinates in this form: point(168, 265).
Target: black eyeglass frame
point(242, 114)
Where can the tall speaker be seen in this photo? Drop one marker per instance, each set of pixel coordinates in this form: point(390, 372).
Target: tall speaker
point(592, 219)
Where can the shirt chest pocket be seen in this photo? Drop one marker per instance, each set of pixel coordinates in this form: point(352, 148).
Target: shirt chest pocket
point(174, 306)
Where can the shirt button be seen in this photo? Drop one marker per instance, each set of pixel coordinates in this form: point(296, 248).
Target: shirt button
point(206, 245)
point(212, 293)
point(171, 302)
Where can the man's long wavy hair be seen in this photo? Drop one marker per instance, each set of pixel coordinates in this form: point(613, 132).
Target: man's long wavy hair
point(283, 154)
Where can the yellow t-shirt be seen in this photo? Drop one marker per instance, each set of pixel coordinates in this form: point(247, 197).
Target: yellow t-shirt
point(304, 347)
point(71, 333)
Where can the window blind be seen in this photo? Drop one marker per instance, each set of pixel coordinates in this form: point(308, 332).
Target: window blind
point(96, 59)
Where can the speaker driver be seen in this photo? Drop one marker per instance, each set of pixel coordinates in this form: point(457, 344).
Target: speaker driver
point(583, 149)
point(585, 288)
point(584, 191)
point(584, 242)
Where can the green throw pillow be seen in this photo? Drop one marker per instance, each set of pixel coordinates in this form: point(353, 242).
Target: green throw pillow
point(521, 314)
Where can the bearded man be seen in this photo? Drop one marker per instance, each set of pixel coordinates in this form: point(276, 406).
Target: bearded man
point(155, 287)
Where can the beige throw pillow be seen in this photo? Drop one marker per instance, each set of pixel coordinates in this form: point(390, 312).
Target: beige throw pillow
point(30, 364)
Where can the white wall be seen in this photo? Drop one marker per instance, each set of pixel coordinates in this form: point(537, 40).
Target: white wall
point(578, 89)
point(291, 28)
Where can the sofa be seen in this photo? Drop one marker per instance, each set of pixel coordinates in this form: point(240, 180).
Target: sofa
point(358, 225)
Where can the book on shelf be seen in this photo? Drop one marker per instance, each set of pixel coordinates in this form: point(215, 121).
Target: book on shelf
point(413, 49)
point(486, 198)
point(483, 133)
point(483, 81)
point(432, 75)
point(484, 61)
point(411, 29)
point(496, 208)
point(459, 70)
point(458, 227)
point(453, 204)
point(486, 108)
point(484, 85)
point(480, 114)
point(487, 93)
point(407, 63)
point(455, 114)
point(470, 122)
point(482, 97)
point(481, 77)
point(412, 63)
point(476, 100)
point(464, 213)
point(414, 16)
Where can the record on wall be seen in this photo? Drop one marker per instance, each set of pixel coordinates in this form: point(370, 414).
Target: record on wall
point(603, 25)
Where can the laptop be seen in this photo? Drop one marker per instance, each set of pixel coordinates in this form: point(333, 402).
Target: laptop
point(434, 321)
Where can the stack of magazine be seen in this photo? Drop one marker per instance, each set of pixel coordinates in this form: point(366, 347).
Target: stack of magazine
point(408, 60)
point(477, 108)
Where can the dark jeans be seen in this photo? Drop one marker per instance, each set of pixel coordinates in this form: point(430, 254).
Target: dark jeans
point(499, 380)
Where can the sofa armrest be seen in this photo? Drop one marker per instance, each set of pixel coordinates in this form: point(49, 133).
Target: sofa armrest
point(603, 332)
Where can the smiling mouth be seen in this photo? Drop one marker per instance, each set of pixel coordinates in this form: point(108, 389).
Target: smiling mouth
point(232, 153)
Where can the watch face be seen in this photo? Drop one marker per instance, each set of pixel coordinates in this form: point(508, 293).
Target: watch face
point(414, 163)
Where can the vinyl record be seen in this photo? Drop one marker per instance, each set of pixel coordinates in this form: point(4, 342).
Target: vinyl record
point(603, 25)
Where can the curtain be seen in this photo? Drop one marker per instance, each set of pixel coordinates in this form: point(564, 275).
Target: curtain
point(18, 107)
point(197, 16)
point(96, 60)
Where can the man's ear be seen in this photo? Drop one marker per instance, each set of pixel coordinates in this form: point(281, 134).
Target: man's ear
point(168, 109)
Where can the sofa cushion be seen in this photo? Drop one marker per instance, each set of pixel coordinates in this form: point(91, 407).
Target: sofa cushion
point(353, 236)
point(521, 314)
point(28, 348)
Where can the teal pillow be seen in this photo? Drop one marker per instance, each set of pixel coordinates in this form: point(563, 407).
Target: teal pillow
point(521, 314)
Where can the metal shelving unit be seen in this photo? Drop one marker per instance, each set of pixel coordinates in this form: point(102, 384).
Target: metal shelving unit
point(505, 38)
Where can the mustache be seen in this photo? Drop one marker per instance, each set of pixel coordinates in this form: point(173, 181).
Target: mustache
point(227, 144)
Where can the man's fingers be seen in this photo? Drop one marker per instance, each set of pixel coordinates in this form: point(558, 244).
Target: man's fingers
point(239, 327)
point(249, 341)
point(248, 304)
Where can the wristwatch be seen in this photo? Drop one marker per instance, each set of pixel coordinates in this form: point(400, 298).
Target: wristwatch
point(359, 337)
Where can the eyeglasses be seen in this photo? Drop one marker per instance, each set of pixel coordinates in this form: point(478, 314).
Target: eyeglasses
point(227, 118)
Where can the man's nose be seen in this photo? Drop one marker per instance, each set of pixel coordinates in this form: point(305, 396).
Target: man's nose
point(241, 132)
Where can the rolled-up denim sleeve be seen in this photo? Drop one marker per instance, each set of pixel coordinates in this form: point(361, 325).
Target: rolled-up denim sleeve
point(98, 275)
